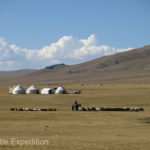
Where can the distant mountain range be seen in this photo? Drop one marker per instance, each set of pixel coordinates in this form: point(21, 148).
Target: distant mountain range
point(126, 67)
point(15, 72)
point(57, 66)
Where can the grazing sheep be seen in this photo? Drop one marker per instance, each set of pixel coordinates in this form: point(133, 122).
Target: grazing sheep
point(102, 108)
point(84, 109)
point(97, 109)
point(18, 109)
point(93, 108)
point(136, 109)
point(131, 109)
point(79, 109)
point(53, 109)
point(12, 109)
point(141, 109)
point(128, 109)
point(89, 109)
point(26, 109)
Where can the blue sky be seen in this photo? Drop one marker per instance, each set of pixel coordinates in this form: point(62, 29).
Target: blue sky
point(45, 32)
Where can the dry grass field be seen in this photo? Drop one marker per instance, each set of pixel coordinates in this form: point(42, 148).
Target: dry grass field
point(67, 130)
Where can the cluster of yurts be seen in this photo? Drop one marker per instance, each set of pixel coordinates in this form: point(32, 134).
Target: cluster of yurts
point(34, 90)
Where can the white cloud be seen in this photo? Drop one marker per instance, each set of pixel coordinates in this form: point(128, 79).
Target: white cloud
point(67, 50)
point(8, 65)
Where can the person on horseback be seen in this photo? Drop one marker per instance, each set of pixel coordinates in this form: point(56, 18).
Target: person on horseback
point(75, 106)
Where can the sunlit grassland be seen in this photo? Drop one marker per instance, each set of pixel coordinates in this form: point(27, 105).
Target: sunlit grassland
point(65, 129)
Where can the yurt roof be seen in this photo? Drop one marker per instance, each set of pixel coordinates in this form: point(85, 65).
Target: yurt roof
point(18, 87)
point(32, 87)
point(61, 88)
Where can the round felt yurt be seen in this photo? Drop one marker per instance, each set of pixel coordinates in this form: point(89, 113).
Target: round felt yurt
point(32, 90)
point(61, 90)
point(47, 91)
point(18, 90)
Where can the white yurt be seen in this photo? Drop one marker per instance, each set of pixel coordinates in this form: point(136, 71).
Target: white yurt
point(60, 90)
point(32, 90)
point(47, 91)
point(18, 90)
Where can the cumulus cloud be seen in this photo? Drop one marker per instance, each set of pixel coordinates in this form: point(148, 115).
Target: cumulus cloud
point(67, 50)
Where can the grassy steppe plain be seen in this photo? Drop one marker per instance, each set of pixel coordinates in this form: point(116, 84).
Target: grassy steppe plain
point(67, 130)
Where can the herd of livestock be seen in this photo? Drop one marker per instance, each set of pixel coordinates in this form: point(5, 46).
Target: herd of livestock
point(110, 109)
point(32, 109)
point(77, 107)
point(80, 109)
